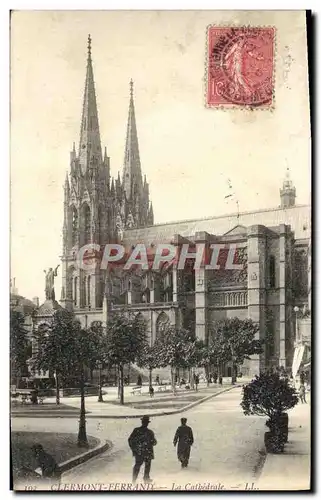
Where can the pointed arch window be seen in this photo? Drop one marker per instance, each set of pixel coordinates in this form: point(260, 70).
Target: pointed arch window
point(100, 225)
point(74, 226)
point(87, 224)
point(83, 292)
point(88, 291)
point(75, 294)
point(272, 271)
point(162, 324)
point(101, 291)
point(69, 283)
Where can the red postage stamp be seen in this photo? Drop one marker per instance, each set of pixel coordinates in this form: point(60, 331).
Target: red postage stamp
point(240, 66)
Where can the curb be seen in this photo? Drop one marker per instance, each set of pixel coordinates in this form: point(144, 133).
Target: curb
point(83, 457)
point(125, 417)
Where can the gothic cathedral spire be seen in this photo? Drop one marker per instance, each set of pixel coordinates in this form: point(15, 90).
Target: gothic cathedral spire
point(132, 174)
point(135, 192)
point(95, 209)
point(89, 145)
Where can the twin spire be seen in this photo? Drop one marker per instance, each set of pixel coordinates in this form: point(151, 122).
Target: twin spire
point(132, 173)
point(89, 145)
point(90, 152)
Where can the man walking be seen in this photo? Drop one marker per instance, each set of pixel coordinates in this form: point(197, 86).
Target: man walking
point(141, 442)
point(184, 437)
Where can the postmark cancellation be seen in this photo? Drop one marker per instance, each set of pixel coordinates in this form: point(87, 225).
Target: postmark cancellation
point(240, 67)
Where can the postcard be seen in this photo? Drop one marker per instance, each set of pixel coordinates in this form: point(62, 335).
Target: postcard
point(160, 295)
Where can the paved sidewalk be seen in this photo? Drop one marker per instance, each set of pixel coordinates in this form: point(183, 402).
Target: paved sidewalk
point(108, 410)
point(291, 470)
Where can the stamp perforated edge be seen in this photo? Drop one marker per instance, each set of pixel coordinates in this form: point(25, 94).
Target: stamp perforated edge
point(232, 107)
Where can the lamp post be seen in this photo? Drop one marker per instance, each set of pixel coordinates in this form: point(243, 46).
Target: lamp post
point(100, 394)
point(234, 368)
point(82, 435)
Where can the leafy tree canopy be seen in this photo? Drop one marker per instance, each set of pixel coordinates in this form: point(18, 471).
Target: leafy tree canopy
point(19, 343)
point(234, 337)
point(177, 348)
point(148, 357)
point(268, 394)
point(125, 339)
point(65, 347)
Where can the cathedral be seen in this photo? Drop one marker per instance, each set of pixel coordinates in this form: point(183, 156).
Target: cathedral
point(273, 246)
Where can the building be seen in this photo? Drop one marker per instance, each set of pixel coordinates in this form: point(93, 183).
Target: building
point(271, 244)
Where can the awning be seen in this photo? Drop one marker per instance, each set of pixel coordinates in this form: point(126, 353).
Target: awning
point(297, 359)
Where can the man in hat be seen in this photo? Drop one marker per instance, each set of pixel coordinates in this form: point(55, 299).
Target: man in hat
point(141, 442)
point(184, 437)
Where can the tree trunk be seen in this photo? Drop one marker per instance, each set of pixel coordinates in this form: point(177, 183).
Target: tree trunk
point(117, 382)
point(150, 377)
point(220, 372)
point(57, 390)
point(234, 371)
point(18, 378)
point(82, 436)
point(192, 383)
point(207, 374)
point(121, 384)
point(173, 379)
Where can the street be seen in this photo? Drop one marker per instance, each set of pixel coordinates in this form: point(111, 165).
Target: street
point(226, 449)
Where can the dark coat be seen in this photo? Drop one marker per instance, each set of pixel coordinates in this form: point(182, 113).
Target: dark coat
point(48, 465)
point(184, 437)
point(141, 442)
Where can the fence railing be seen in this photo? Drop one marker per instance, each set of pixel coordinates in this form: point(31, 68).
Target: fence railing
point(229, 299)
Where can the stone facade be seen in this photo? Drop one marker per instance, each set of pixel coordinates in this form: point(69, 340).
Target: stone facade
point(272, 246)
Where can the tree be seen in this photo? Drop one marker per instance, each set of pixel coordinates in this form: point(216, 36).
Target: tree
point(125, 339)
point(271, 394)
point(148, 358)
point(268, 394)
point(208, 355)
point(19, 345)
point(66, 349)
point(55, 347)
point(98, 331)
point(235, 341)
point(176, 348)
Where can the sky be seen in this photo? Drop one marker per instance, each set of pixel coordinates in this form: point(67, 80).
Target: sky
point(188, 152)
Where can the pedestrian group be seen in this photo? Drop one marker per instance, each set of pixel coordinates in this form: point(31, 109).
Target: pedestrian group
point(142, 441)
